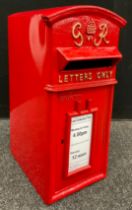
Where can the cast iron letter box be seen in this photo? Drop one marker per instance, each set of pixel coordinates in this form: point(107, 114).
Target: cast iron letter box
point(62, 78)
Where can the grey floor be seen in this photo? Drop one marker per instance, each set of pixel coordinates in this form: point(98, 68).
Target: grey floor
point(113, 193)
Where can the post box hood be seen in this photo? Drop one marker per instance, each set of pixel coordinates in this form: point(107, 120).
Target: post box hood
point(71, 54)
point(52, 17)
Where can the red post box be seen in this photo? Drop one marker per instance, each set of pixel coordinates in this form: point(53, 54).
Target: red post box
point(62, 77)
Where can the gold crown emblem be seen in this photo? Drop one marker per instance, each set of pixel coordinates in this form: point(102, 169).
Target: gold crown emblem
point(91, 28)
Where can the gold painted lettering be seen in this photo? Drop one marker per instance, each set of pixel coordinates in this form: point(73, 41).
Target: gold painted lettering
point(103, 75)
point(98, 75)
point(71, 77)
point(60, 79)
point(66, 78)
point(102, 35)
point(81, 77)
point(90, 76)
point(85, 76)
point(76, 75)
point(77, 35)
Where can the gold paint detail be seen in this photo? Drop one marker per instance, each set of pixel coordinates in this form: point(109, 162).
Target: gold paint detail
point(86, 76)
point(104, 75)
point(71, 77)
point(102, 35)
point(60, 79)
point(77, 35)
point(81, 77)
point(66, 78)
point(91, 29)
point(76, 75)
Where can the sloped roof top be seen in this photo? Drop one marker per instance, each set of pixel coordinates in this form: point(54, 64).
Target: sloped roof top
point(53, 15)
point(65, 12)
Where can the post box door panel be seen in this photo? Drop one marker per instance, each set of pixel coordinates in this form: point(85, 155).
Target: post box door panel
point(82, 143)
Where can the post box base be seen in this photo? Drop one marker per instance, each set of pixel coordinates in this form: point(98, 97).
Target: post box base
point(74, 188)
point(58, 195)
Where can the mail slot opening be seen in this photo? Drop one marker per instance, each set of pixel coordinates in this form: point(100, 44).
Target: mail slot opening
point(88, 64)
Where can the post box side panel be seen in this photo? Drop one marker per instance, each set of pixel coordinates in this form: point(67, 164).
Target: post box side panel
point(29, 140)
point(29, 104)
point(27, 56)
point(100, 105)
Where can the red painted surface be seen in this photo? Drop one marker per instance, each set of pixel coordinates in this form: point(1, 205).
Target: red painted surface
point(45, 92)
